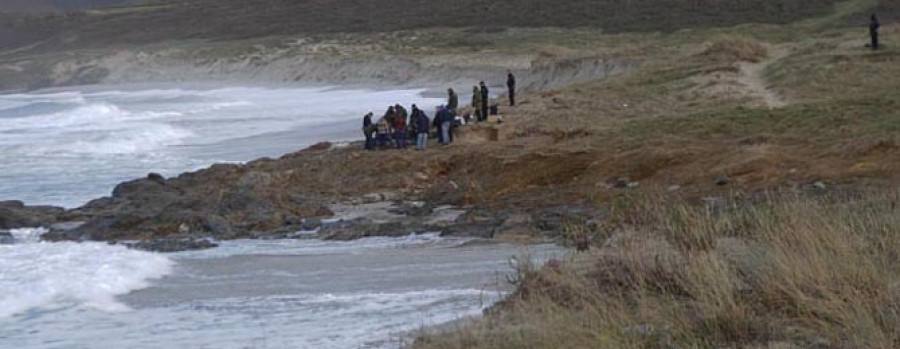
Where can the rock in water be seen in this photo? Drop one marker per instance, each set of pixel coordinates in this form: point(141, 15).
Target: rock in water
point(172, 245)
point(15, 215)
point(6, 238)
point(721, 181)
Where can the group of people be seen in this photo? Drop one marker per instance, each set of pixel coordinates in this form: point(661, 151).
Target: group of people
point(481, 97)
point(398, 125)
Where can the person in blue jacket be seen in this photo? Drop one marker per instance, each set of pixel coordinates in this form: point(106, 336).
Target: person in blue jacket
point(421, 121)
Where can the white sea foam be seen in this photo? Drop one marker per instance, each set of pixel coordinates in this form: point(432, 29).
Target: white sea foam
point(37, 275)
point(312, 247)
point(65, 148)
point(344, 320)
point(271, 294)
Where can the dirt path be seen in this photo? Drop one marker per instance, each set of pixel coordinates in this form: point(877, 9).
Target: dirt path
point(752, 77)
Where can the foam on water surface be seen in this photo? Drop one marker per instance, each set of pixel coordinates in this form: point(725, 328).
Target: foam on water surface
point(66, 148)
point(37, 275)
point(312, 247)
point(247, 294)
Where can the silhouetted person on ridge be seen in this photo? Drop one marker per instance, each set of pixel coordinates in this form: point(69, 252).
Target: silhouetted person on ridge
point(511, 84)
point(485, 100)
point(874, 25)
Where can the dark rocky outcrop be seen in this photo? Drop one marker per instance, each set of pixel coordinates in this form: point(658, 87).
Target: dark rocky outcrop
point(287, 198)
point(363, 227)
point(15, 215)
point(6, 238)
point(172, 245)
point(222, 202)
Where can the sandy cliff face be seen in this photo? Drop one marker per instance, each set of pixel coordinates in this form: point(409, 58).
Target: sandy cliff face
point(286, 66)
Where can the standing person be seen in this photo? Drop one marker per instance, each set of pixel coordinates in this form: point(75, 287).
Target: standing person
point(452, 100)
point(401, 112)
point(383, 129)
point(390, 114)
point(485, 99)
point(400, 130)
point(511, 85)
point(476, 102)
point(421, 121)
point(874, 25)
point(442, 121)
point(446, 125)
point(436, 123)
point(368, 130)
point(413, 126)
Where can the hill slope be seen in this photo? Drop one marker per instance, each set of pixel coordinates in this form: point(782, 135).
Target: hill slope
point(234, 19)
point(36, 6)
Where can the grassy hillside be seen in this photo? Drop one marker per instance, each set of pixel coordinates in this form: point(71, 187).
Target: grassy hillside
point(39, 6)
point(163, 20)
point(782, 273)
point(757, 206)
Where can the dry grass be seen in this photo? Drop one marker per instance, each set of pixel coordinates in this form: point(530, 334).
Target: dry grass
point(734, 51)
point(780, 271)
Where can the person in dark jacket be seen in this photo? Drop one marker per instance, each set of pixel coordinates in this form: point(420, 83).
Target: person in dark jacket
point(436, 123)
point(485, 100)
point(390, 114)
point(511, 85)
point(446, 121)
point(413, 126)
point(368, 129)
point(874, 25)
point(441, 114)
point(452, 100)
point(421, 121)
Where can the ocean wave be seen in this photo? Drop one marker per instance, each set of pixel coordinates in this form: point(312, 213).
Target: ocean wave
point(96, 128)
point(39, 275)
